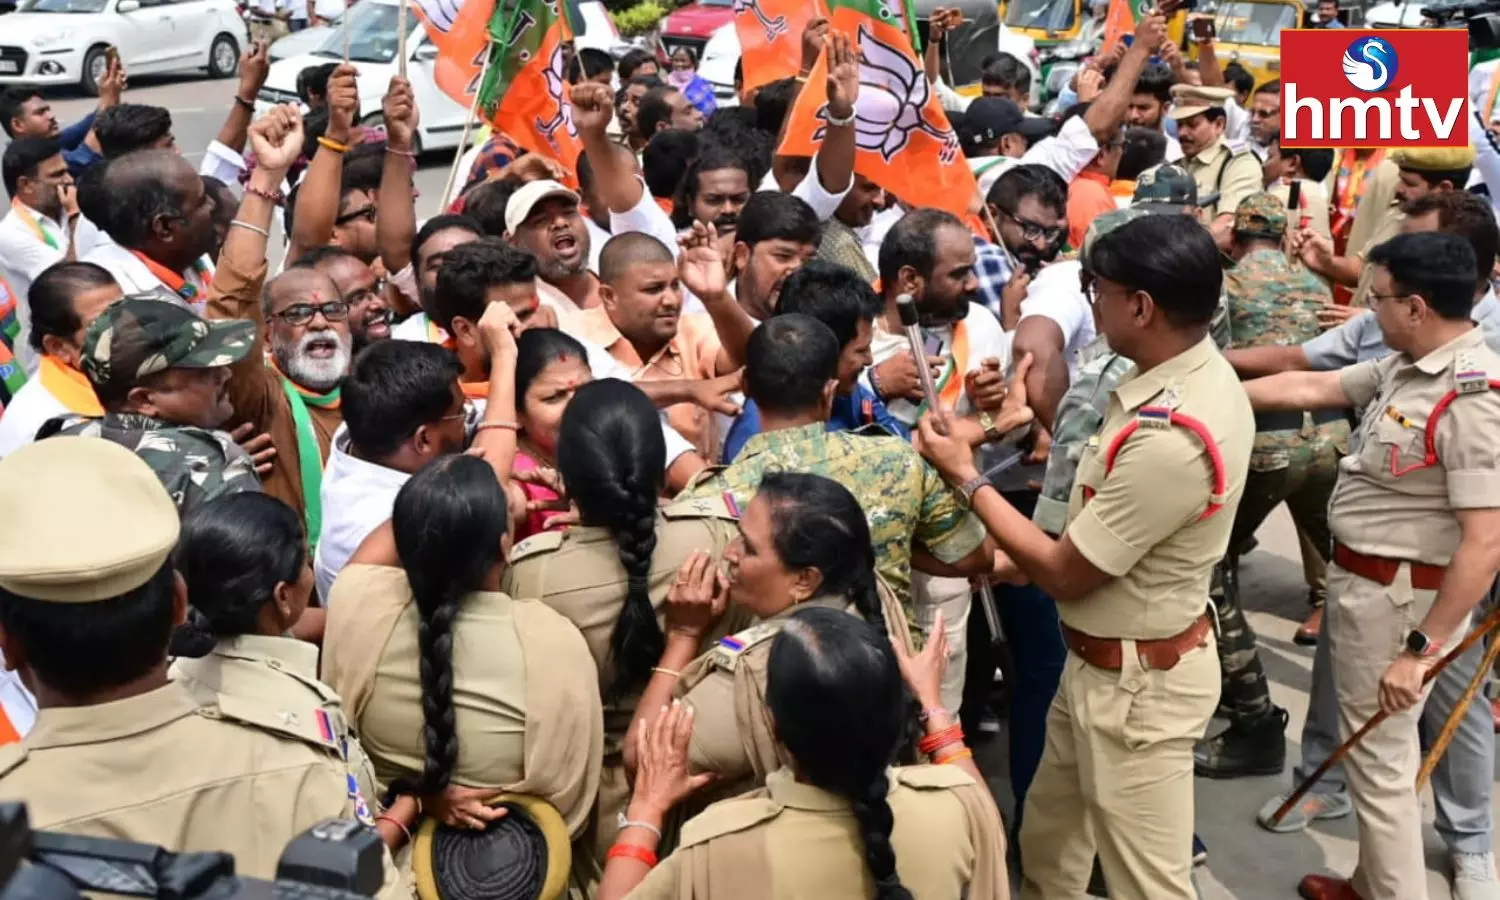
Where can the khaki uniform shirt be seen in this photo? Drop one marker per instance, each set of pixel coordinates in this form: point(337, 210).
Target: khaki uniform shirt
point(1143, 523)
point(282, 672)
point(1314, 206)
point(164, 768)
point(794, 841)
point(1390, 500)
point(1241, 177)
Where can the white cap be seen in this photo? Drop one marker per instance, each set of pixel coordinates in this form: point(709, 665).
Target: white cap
point(531, 193)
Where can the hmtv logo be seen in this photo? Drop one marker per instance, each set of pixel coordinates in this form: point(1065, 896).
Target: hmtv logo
point(1406, 88)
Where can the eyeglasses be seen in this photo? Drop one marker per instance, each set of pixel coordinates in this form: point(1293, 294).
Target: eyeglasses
point(366, 213)
point(373, 292)
point(303, 313)
point(1033, 231)
point(1374, 298)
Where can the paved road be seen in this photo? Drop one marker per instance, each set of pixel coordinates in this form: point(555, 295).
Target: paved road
point(1245, 862)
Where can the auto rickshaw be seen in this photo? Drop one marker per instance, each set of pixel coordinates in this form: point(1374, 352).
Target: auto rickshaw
point(1249, 32)
point(979, 37)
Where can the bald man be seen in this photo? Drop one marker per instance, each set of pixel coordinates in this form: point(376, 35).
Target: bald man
point(159, 216)
point(294, 397)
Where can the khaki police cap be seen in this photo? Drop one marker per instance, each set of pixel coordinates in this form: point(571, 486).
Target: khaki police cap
point(92, 521)
point(1189, 100)
point(1434, 159)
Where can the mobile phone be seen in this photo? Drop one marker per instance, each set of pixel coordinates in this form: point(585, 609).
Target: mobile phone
point(111, 55)
point(1203, 29)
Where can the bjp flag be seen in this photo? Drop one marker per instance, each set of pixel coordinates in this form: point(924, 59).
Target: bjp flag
point(903, 141)
point(1120, 20)
point(770, 33)
point(506, 60)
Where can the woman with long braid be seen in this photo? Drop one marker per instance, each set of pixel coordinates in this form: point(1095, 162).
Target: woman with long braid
point(836, 820)
point(458, 691)
point(803, 543)
point(611, 575)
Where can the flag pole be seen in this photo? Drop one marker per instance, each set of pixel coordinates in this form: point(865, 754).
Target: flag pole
point(463, 140)
point(401, 40)
point(344, 27)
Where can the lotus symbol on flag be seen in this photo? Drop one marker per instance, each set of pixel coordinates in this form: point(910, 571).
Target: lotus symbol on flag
point(440, 14)
point(892, 95)
point(1370, 64)
point(554, 76)
point(774, 27)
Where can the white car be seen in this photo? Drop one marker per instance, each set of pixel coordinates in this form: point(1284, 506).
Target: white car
point(372, 49)
point(57, 42)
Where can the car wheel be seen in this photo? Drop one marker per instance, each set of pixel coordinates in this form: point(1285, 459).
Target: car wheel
point(223, 57)
point(94, 64)
point(377, 120)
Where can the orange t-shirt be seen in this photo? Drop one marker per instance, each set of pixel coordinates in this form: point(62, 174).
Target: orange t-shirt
point(1088, 196)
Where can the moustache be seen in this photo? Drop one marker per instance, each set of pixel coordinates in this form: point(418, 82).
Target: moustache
point(727, 222)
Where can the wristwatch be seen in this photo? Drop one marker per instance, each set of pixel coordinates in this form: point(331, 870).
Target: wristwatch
point(987, 422)
point(1420, 645)
point(968, 489)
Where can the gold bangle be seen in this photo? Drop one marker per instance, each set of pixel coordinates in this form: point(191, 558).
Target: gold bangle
point(508, 426)
point(332, 144)
point(673, 673)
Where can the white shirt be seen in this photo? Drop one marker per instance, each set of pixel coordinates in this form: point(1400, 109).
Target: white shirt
point(1067, 153)
point(465, 162)
point(222, 162)
point(986, 339)
point(27, 411)
point(872, 235)
point(24, 256)
point(328, 9)
point(597, 239)
point(1174, 149)
point(357, 497)
point(128, 270)
point(810, 189)
point(1486, 169)
point(1056, 294)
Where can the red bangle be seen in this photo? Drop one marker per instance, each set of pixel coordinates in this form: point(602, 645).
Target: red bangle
point(632, 851)
point(273, 196)
point(941, 737)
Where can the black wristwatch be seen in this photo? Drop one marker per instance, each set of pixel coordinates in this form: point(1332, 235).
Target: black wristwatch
point(1420, 645)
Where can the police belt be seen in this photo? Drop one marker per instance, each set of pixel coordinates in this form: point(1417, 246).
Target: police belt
point(1159, 654)
point(1291, 419)
point(1383, 570)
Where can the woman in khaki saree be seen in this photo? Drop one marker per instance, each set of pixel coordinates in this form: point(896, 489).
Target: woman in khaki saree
point(449, 681)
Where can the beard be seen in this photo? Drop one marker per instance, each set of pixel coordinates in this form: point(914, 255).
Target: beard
point(321, 374)
point(937, 315)
point(555, 268)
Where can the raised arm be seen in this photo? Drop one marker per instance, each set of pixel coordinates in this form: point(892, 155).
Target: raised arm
point(396, 219)
point(318, 196)
point(1107, 113)
point(835, 158)
point(593, 110)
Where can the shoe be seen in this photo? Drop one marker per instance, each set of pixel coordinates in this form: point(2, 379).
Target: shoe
point(1253, 746)
point(1307, 635)
point(1200, 851)
point(1311, 806)
point(1474, 877)
point(1326, 887)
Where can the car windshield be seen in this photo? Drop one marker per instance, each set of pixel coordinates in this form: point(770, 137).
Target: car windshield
point(372, 33)
point(1247, 22)
point(67, 6)
point(1048, 15)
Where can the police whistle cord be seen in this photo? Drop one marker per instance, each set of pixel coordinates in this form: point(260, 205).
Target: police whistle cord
point(1479, 633)
point(1460, 709)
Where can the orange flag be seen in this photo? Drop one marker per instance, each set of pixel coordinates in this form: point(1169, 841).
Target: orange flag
point(903, 140)
point(511, 58)
point(1119, 21)
point(770, 33)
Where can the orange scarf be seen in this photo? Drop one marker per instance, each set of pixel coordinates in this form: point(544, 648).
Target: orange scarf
point(175, 282)
point(69, 387)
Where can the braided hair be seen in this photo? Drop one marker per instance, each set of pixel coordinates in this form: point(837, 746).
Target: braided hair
point(234, 550)
point(835, 692)
point(448, 520)
point(612, 456)
point(817, 524)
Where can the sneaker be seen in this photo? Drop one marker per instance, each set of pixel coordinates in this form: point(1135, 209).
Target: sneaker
point(1200, 850)
point(1474, 877)
point(1311, 806)
point(1249, 746)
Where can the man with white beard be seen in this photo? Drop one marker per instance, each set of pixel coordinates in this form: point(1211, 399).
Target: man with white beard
point(292, 393)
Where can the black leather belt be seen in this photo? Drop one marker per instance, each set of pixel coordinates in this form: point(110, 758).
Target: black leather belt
point(1291, 419)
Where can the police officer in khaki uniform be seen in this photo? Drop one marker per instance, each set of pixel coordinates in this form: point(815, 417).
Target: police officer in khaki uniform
point(1149, 515)
point(1414, 517)
point(88, 599)
point(1224, 175)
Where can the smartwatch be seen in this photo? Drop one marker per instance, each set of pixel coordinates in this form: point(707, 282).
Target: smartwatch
point(1420, 645)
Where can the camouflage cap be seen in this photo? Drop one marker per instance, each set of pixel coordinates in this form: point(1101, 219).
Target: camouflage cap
point(138, 337)
point(1168, 188)
point(1261, 215)
point(1106, 222)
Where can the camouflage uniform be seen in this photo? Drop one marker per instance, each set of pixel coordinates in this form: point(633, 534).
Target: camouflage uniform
point(841, 245)
point(140, 337)
point(904, 498)
point(1273, 304)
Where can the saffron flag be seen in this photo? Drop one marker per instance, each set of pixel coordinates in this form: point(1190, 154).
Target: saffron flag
point(903, 141)
point(1120, 20)
point(505, 58)
point(770, 33)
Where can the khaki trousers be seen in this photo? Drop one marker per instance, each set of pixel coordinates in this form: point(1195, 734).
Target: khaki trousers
point(931, 593)
point(1117, 778)
point(1367, 626)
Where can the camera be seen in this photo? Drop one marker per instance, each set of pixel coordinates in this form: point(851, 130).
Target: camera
point(337, 859)
point(1481, 16)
